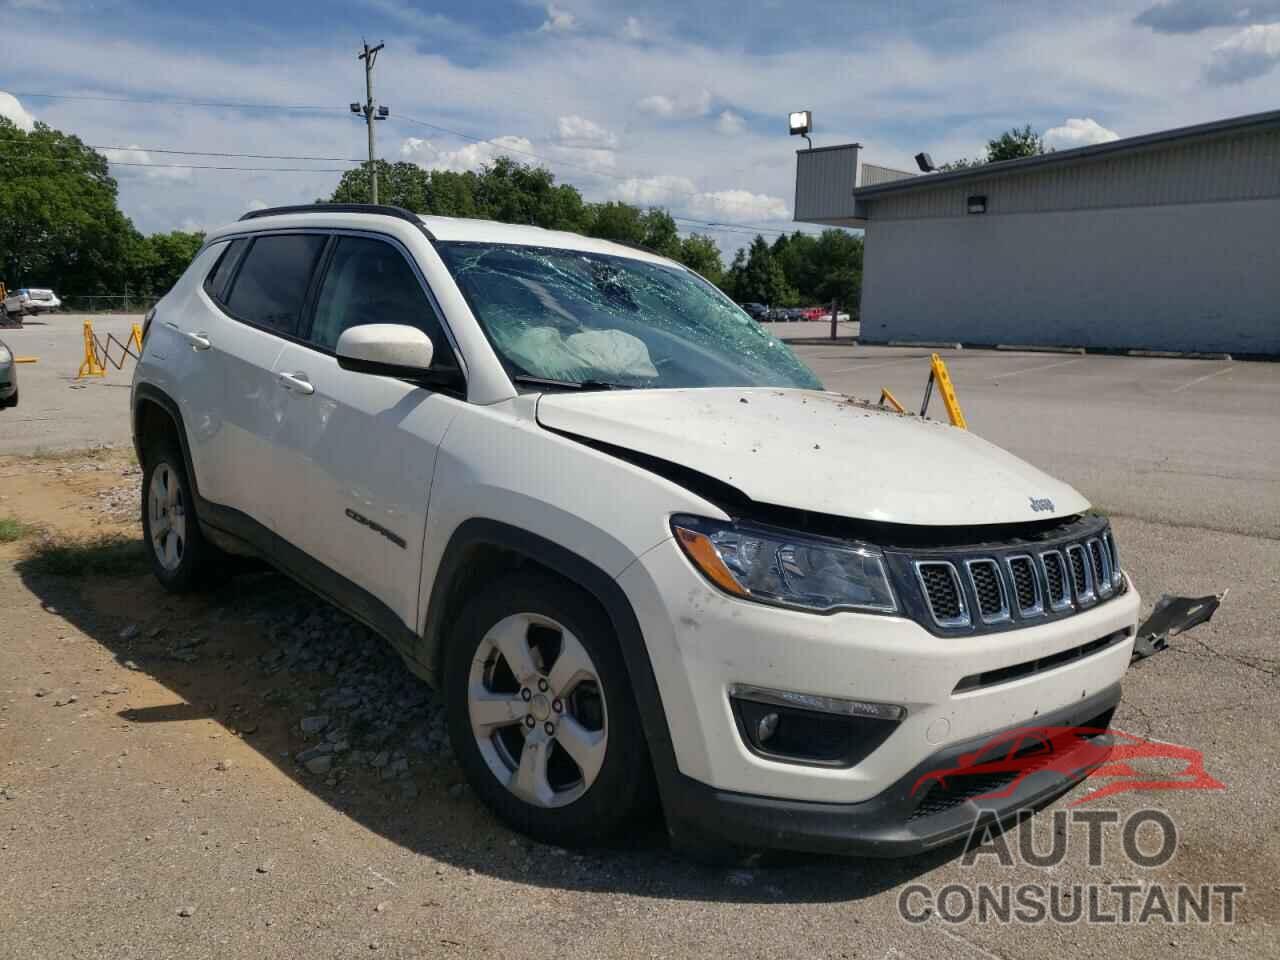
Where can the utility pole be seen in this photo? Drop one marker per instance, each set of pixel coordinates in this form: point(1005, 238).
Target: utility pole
point(370, 111)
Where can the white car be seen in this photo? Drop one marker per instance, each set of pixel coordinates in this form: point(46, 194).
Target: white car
point(646, 558)
point(31, 300)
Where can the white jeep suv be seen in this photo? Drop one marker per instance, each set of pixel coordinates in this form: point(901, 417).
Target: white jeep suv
point(646, 558)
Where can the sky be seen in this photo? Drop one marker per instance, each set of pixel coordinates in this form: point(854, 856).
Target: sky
point(679, 104)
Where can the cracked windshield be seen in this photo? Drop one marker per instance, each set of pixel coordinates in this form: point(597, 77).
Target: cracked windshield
point(586, 319)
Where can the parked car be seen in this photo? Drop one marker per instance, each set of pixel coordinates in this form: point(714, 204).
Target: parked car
point(8, 377)
point(31, 300)
point(452, 429)
point(757, 311)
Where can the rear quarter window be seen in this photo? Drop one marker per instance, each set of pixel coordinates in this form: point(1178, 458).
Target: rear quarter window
point(215, 284)
point(270, 287)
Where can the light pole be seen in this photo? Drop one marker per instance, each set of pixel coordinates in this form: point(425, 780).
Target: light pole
point(371, 112)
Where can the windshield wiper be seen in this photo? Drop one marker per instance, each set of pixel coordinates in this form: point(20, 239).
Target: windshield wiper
point(527, 380)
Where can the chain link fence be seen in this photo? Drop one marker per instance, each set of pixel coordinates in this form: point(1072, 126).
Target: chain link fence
point(108, 303)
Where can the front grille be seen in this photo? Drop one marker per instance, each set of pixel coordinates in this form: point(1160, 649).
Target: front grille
point(1020, 580)
point(1026, 590)
point(942, 591)
point(989, 589)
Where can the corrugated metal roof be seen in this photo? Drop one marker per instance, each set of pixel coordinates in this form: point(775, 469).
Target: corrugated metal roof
point(1252, 122)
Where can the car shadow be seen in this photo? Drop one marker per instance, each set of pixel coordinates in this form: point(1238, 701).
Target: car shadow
point(237, 654)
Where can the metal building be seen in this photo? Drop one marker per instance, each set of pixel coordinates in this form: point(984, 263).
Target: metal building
point(1168, 241)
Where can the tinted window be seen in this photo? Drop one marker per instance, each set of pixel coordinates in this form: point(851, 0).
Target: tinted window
point(216, 283)
point(272, 284)
point(369, 281)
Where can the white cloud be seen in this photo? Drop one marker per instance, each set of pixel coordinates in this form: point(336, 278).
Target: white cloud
point(739, 205)
point(473, 156)
point(653, 191)
point(1250, 53)
point(633, 29)
point(730, 123)
point(681, 194)
point(11, 109)
point(135, 161)
point(558, 20)
point(579, 131)
point(685, 105)
point(1078, 132)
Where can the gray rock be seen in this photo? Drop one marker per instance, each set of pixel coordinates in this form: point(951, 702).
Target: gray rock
point(458, 791)
point(319, 765)
point(381, 760)
point(186, 911)
point(314, 724)
point(129, 632)
point(223, 765)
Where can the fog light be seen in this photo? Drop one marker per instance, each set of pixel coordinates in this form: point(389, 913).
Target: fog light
point(766, 728)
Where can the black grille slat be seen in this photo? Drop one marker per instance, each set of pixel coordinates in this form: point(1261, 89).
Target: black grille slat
point(943, 591)
point(1095, 555)
point(1055, 576)
point(1079, 575)
point(1024, 582)
point(986, 585)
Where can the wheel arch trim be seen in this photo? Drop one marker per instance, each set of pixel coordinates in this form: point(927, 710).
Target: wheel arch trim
point(483, 532)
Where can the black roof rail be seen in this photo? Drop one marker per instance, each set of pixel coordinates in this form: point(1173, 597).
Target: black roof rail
point(382, 209)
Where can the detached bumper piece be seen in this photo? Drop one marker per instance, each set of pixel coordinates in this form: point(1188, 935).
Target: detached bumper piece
point(918, 813)
point(1170, 617)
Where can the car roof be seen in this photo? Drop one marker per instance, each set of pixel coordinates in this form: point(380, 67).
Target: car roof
point(443, 229)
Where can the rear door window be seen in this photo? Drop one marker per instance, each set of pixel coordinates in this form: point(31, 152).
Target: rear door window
point(370, 281)
point(270, 287)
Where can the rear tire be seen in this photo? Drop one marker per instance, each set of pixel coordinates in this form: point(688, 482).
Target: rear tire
point(533, 647)
point(181, 558)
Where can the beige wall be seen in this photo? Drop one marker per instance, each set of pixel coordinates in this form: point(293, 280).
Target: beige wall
point(1193, 277)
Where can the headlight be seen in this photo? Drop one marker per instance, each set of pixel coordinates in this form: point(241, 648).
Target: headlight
point(5, 355)
point(786, 569)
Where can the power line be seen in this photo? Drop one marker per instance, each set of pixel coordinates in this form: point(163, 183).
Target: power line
point(501, 148)
point(204, 153)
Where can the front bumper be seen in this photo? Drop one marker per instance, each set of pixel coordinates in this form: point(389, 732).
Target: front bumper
point(701, 642)
point(895, 822)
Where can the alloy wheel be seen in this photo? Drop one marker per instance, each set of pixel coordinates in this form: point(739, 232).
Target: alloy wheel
point(166, 505)
point(537, 710)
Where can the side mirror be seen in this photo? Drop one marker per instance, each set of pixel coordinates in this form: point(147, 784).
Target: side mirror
point(387, 349)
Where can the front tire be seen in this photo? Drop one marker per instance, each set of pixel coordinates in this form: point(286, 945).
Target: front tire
point(542, 716)
point(181, 558)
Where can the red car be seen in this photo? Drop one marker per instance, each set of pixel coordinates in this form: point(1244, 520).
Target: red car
point(1071, 751)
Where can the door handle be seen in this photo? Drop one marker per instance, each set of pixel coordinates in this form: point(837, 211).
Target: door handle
point(198, 341)
point(297, 383)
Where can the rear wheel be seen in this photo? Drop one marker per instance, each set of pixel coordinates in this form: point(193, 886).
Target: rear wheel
point(542, 716)
point(180, 556)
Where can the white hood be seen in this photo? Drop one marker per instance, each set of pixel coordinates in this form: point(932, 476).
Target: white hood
point(820, 452)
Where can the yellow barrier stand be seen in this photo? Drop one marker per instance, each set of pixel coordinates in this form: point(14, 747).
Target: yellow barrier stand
point(92, 365)
point(948, 393)
point(938, 374)
point(887, 397)
point(135, 338)
point(26, 359)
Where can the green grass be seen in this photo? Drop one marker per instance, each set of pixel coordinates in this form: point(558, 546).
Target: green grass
point(102, 555)
point(11, 529)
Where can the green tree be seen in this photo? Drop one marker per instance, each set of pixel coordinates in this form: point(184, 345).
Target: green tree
point(700, 254)
point(1015, 144)
point(59, 223)
point(157, 261)
point(616, 221)
point(762, 279)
